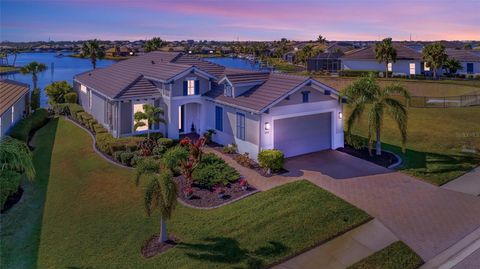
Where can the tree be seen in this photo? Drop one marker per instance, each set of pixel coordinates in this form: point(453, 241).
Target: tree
point(385, 53)
point(151, 115)
point(321, 39)
point(365, 95)
point(434, 56)
point(35, 99)
point(92, 50)
point(161, 193)
point(467, 46)
point(16, 156)
point(33, 68)
point(56, 92)
point(451, 65)
point(153, 44)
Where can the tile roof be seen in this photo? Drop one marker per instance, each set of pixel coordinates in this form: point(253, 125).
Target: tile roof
point(239, 78)
point(463, 55)
point(206, 66)
point(10, 92)
point(368, 53)
point(140, 88)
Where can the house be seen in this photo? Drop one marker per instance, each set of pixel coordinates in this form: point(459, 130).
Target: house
point(469, 61)
point(116, 51)
point(255, 110)
point(409, 61)
point(328, 61)
point(14, 100)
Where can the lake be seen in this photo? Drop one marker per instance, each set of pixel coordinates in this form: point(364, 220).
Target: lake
point(64, 68)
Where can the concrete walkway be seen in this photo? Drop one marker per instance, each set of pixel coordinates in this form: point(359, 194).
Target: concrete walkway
point(344, 250)
point(468, 183)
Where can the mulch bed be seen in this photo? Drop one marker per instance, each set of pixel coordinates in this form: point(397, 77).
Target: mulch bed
point(205, 197)
point(154, 247)
point(12, 200)
point(385, 160)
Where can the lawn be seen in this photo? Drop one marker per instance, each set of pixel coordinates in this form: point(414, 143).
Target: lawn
point(5, 69)
point(94, 218)
point(437, 140)
point(395, 256)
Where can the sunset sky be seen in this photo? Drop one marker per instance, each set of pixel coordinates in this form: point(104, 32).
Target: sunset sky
point(32, 20)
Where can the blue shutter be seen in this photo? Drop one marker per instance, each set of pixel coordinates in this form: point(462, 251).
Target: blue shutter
point(305, 96)
point(219, 118)
point(185, 88)
point(470, 68)
point(197, 87)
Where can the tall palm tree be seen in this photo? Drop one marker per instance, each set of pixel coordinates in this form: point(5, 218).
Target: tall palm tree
point(385, 53)
point(16, 156)
point(365, 95)
point(92, 50)
point(33, 68)
point(161, 193)
point(151, 114)
point(434, 56)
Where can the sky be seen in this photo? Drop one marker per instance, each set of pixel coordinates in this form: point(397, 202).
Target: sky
point(227, 20)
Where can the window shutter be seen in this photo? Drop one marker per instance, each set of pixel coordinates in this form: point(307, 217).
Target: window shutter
point(185, 88)
point(197, 87)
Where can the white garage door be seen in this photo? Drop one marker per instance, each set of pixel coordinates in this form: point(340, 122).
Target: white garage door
point(300, 135)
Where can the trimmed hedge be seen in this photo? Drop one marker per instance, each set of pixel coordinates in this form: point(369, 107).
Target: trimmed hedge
point(24, 128)
point(272, 159)
point(71, 97)
point(213, 171)
point(9, 184)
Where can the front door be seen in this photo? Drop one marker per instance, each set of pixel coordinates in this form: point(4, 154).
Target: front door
point(181, 119)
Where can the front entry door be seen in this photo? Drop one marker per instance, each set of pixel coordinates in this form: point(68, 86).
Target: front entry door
point(181, 119)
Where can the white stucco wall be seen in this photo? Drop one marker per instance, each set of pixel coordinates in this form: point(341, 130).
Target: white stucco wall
point(400, 66)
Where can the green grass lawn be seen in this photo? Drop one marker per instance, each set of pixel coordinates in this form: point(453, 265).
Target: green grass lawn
point(94, 218)
point(395, 256)
point(437, 138)
point(4, 69)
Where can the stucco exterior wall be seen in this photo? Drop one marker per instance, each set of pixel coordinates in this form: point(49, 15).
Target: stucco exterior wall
point(177, 86)
point(400, 66)
point(12, 115)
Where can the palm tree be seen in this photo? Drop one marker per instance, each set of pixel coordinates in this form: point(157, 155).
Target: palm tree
point(153, 44)
point(452, 65)
point(33, 68)
point(16, 156)
point(365, 95)
point(161, 193)
point(434, 56)
point(151, 114)
point(92, 49)
point(385, 53)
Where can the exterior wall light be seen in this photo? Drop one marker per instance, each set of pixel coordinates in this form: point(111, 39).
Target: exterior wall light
point(340, 115)
point(267, 126)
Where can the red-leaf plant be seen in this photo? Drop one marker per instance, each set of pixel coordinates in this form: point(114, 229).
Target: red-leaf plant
point(196, 152)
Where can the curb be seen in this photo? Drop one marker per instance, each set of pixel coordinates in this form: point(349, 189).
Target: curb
point(399, 160)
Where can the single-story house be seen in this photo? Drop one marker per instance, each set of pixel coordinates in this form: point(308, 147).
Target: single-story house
point(469, 61)
point(14, 100)
point(255, 110)
point(327, 61)
point(116, 51)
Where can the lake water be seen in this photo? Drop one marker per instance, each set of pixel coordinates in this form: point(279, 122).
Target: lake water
point(64, 68)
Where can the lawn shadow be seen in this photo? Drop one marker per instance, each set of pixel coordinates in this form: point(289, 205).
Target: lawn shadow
point(23, 240)
point(228, 251)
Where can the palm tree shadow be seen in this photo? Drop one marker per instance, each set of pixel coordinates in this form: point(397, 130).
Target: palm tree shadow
point(228, 251)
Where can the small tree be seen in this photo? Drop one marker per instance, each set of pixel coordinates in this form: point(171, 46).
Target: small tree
point(151, 114)
point(92, 50)
point(35, 99)
point(365, 94)
point(195, 157)
point(153, 44)
point(16, 156)
point(434, 56)
point(33, 68)
point(56, 92)
point(385, 53)
point(321, 39)
point(451, 65)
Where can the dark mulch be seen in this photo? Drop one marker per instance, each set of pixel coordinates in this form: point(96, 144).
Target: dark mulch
point(153, 246)
point(385, 160)
point(12, 200)
point(205, 197)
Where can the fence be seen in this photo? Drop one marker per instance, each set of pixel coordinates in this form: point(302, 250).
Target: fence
point(444, 102)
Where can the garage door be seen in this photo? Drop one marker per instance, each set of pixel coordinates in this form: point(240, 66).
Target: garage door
point(300, 135)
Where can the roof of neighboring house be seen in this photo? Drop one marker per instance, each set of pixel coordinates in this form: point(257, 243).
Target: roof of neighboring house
point(261, 96)
point(368, 53)
point(327, 55)
point(463, 55)
point(10, 92)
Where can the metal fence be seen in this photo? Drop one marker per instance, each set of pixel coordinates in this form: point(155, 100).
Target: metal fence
point(444, 102)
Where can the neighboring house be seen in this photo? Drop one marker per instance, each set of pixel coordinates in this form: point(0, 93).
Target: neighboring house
point(255, 110)
point(469, 60)
point(409, 61)
point(328, 61)
point(14, 99)
point(290, 56)
point(116, 51)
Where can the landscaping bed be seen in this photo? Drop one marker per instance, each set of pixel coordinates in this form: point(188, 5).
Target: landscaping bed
point(385, 160)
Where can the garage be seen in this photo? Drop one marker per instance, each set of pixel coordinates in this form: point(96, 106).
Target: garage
point(304, 134)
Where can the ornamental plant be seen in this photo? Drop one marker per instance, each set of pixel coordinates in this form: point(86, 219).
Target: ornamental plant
point(195, 156)
point(271, 159)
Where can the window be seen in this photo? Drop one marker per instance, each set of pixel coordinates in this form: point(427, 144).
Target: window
point(83, 89)
point(139, 108)
point(13, 113)
point(191, 87)
point(241, 126)
point(470, 68)
point(219, 118)
point(227, 90)
point(305, 96)
point(426, 67)
point(90, 99)
point(412, 68)
point(389, 67)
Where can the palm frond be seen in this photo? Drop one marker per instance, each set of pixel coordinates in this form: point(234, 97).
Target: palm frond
point(146, 167)
point(399, 114)
point(152, 191)
point(397, 89)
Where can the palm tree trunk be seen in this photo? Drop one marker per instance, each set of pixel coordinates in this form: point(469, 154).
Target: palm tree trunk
point(163, 231)
point(386, 69)
point(378, 145)
point(34, 80)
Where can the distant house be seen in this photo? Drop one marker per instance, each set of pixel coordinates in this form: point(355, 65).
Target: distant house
point(469, 60)
point(409, 61)
point(207, 50)
point(290, 56)
point(14, 100)
point(255, 110)
point(328, 61)
point(122, 51)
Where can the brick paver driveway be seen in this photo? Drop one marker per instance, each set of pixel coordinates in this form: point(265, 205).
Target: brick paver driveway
point(427, 218)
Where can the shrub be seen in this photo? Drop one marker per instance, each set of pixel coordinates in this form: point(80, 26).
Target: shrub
point(166, 142)
point(213, 171)
point(126, 157)
point(356, 141)
point(35, 99)
point(60, 109)
point(359, 73)
point(117, 155)
point(137, 159)
point(9, 183)
point(271, 159)
point(91, 122)
point(103, 142)
point(98, 128)
point(85, 118)
point(244, 160)
point(172, 157)
point(74, 109)
point(57, 90)
point(71, 98)
point(27, 126)
point(117, 146)
point(208, 135)
point(230, 148)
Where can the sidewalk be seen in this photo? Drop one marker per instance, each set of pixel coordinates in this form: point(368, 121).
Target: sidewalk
point(344, 250)
point(468, 183)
